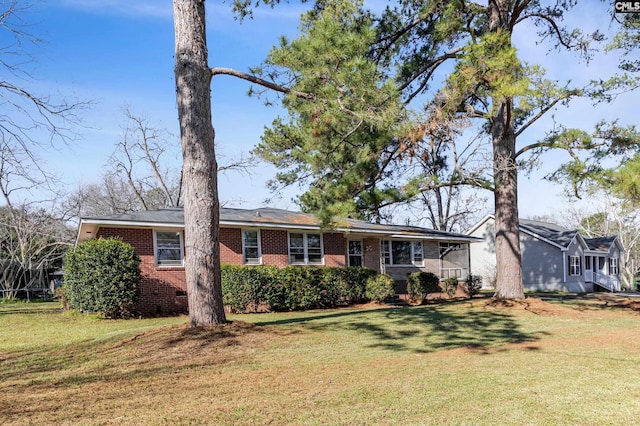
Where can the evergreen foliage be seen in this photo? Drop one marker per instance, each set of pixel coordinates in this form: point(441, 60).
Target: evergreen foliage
point(102, 276)
point(450, 286)
point(473, 284)
point(374, 82)
point(420, 284)
point(379, 288)
point(254, 288)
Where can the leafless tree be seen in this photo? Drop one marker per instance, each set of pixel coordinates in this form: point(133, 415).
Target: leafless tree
point(32, 244)
point(142, 159)
point(31, 238)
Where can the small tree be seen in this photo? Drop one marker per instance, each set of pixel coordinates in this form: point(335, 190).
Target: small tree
point(102, 276)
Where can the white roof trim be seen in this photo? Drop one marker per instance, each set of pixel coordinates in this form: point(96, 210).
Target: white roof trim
point(480, 223)
point(133, 224)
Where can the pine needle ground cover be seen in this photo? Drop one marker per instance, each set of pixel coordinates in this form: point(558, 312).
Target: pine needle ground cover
point(537, 362)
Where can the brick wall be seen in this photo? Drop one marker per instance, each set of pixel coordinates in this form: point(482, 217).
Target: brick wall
point(371, 248)
point(163, 290)
point(231, 246)
point(275, 247)
point(334, 250)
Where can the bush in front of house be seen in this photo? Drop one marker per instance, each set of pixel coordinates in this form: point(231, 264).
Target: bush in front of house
point(254, 288)
point(102, 276)
point(473, 284)
point(450, 285)
point(420, 284)
point(379, 288)
point(243, 288)
point(354, 279)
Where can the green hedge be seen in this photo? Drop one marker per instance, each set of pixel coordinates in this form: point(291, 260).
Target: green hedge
point(102, 276)
point(379, 288)
point(251, 288)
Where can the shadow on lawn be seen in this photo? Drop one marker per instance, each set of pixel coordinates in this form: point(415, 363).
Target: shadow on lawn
point(424, 329)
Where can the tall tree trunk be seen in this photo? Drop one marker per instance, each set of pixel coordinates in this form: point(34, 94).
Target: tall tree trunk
point(201, 205)
point(507, 224)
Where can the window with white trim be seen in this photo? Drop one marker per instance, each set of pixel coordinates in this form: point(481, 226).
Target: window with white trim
point(305, 249)
point(613, 266)
point(575, 266)
point(168, 248)
point(251, 246)
point(355, 253)
point(385, 252)
point(417, 252)
point(401, 252)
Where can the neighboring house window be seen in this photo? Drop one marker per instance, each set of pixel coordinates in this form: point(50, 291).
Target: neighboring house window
point(574, 266)
point(251, 247)
point(305, 248)
point(613, 266)
point(168, 248)
point(454, 260)
point(355, 253)
point(400, 252)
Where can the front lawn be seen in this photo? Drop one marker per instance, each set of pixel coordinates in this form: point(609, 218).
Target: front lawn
point(560, 362)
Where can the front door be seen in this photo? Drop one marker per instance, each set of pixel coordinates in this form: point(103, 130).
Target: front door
point(588, 269)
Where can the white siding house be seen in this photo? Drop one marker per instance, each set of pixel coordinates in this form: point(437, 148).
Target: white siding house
point(553, 258)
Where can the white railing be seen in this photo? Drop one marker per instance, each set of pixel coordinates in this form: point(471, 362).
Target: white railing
point(611, 283)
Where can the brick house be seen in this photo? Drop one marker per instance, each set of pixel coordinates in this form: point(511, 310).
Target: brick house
point(268, 236)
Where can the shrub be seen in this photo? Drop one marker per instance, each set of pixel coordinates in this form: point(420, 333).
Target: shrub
point(354, 279)
point(102, 276)
point(450, 285)
point(379, 288)
point(420, 284)
point(473, 284)
point(247, 288)
point(243, 286)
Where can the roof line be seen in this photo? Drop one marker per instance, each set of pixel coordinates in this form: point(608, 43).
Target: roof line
point(392, 233)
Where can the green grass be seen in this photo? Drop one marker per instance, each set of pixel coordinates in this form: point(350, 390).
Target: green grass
point(567, 362)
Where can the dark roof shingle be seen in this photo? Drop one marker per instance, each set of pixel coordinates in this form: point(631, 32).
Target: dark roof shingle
point(268, 216)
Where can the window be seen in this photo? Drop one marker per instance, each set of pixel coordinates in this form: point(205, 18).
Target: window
point(355, 253)
point(575, 265)
point(251, 247)
point(613, 266)
point(385, 252)
point(417, 251)
point(587, 263)
point(305, 248)
point(168, 248)
point(454, 260)
point(399, 252)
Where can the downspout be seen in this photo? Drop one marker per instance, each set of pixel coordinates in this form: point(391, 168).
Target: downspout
point(469, 259)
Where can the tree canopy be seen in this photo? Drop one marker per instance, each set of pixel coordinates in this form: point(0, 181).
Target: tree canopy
point(418, 63)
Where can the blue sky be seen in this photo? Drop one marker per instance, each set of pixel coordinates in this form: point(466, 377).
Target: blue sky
point(120, 53)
